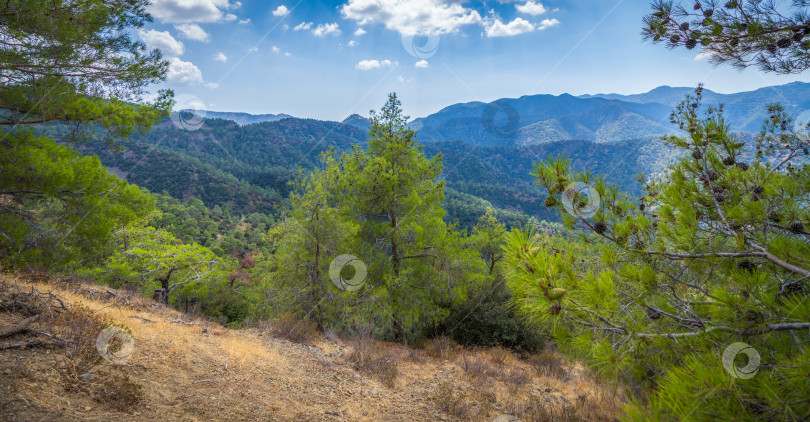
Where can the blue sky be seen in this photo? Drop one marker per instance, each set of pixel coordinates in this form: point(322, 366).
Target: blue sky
point(330, 59)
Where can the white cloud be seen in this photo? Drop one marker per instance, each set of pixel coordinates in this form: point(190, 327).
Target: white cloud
point(281, 11)
point(531, 8)
point(188, 11)
point(221, 57)
point(352, 43)
point(253, 49)
point(276, 49)
point(230, 17)
point(359, 32)
point(422, 64)
point(244, 21)
point(192, 31)
point(703, 55)
point(547, 23)
point(325, 29)
point(496, 28)
point(211, 85)
point(285, 27)
point(184, 73)
point(303, 26)
point(287, 54)
point(163, 41)
point(411, 17)
point(375, 64)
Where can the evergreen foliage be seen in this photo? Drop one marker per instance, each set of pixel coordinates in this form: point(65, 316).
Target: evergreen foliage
point(652, 290)
point(382, 205)
point(772, 35)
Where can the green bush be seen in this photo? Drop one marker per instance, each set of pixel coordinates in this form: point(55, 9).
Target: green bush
point(487, 318)
point(228, 307)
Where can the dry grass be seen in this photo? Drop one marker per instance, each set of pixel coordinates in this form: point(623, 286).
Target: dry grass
point(288, 327)
point(190, 369)
point(449, 401)
point(440, 347)
point(373, 358)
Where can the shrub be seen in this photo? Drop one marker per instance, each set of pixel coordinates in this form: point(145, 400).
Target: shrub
point(447, 400)
point(440, 347)
point(227, 306)
point(487, 318)
point(369, 357)
point(296, 330)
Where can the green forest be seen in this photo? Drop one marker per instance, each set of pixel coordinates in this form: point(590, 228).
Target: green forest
point(644, 258)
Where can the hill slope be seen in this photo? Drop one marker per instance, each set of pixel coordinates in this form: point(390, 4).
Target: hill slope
point(194, 370)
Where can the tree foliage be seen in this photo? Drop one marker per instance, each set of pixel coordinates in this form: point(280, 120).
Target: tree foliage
point(771, 34)
point(157, 263)
point(74, 61)
point(383, 206)
point(57, 207)
point(653, 290)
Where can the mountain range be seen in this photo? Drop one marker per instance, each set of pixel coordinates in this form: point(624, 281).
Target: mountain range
point(247, 167)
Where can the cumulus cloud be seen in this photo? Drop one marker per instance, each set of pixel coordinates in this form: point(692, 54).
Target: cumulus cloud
point(325, 29)
point(547, 23)
point(183, 73)
point(531, 8)
point(192, 31)
point(281, 11)
point(375, 64)
point(359, 32)
point(220, 57)
point(303, 26)
point(411, 17)
point(276, 49)
point(162, 40)
point(496, 28)
point(230, 17)
point(422, 64)
point(189, 11)
point(352, 43)
point(244, 21)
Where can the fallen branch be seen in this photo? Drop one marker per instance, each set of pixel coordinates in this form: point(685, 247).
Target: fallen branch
point(180, 321)
point(119, 297)
point(20, 328)
point(142, 319)
point(34, 343)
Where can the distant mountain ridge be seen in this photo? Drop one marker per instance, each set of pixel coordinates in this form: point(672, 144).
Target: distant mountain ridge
point(602, 118)
point(239, 118)
point(744, 110)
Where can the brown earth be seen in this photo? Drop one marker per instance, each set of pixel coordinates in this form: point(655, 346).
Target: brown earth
point(194, 370)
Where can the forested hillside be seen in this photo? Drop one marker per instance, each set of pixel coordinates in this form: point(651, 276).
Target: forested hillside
point(539, 258)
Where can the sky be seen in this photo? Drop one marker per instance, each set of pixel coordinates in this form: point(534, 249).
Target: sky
point(330, 59)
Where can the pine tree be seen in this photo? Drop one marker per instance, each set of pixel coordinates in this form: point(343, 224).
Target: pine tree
point(72, 63)
point(773, 35)
point(383, 206)
point(713, 254)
